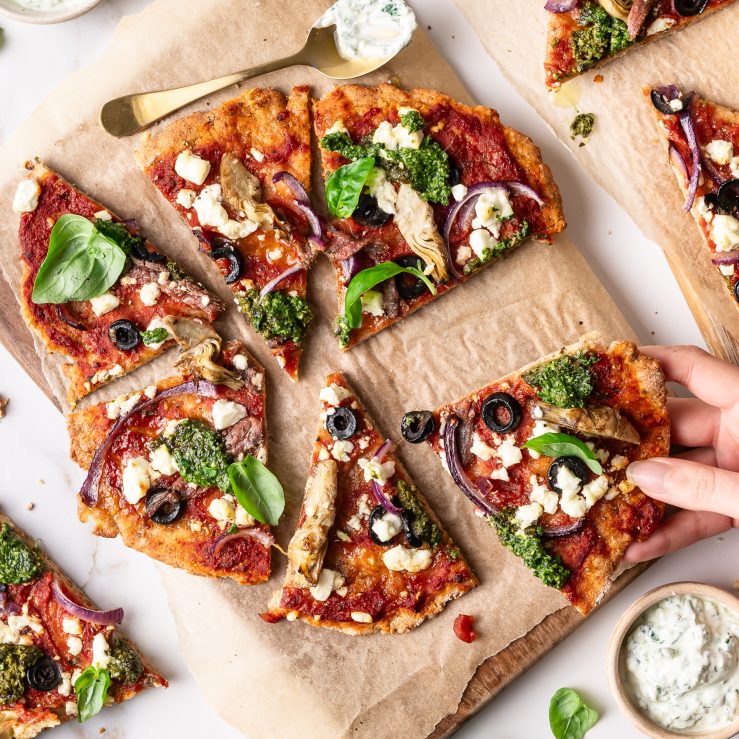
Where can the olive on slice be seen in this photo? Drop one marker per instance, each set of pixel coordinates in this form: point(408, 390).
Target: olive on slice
point(455, 173)
point(342, 423)
point(234, 262)
point(369, 213)
point(727, 196)
point(417, 426)
point(164, 506)
point(690, 7)
point(390, 525)
point(501, 413)
point(44, 674)
point(413, 539)
point(662, 103)
point(139, 250)
point(735, 290)
point(574, 464)
point(409, 287)
point(124, 335)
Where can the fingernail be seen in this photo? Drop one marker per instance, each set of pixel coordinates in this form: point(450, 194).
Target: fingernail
point(648, 475)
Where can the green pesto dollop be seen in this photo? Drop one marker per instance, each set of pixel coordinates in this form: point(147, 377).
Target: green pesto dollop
point(116, 231)
point(18, 563)
point(413, 121)
point(125, 663)
point(14, 661)
point(200, 454)
point(599, 35)
point(566, 382)
point(423, 526)
point(529, 547)
point(277, 315)
point(582, 126)
point(175, 271)
point(343, 330)
point(499, 249)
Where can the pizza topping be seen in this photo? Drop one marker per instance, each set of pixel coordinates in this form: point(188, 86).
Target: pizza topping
point(276, 315)
point(191, 167)
point(400, 559)
point(149, 293)
point(334, 394)
point(690, 7)
point(18, 563)
point(102, 304)
point(125, 663)
point(200, 454)
point(124, 335)
point(44, 674)
point(419, 526)
point(328, 582)
point(163, 505)
point(136, 479)
point(501, 413)
point(567, 475)
point(359, 616)
point(242, 191)
point(566, 381)
point(417, 426)
point(373, 303)
point(341, 423)
point(384, 526)
point(14, 661)
point(667, 100)
point(725, 232)
point(601, 33)
point(226, 413)
point(91, 615)
point(602, 421)
point(720, 151)
point(186, 198)
point(26, 196)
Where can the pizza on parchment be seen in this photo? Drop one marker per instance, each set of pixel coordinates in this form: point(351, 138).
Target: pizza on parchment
point(417, 180)
point(543, 452)
point(368, 554)
point(238, 176)
point(56, 649)
point(583, 34)
point(119, 328)
point(702, 139)
point(159, 463)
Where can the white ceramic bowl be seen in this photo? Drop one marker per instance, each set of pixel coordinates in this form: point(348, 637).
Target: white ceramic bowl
point(15, 11)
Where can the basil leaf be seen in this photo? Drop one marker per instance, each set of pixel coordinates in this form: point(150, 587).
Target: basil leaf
point(80, 263)
point(91, 688)
point(569, 717)
point(564, 445)
point(368, 278)
point(258, 491)
point(344, 186)
point(154, 336)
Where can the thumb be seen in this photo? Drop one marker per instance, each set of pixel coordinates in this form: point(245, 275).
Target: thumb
point(686, 484)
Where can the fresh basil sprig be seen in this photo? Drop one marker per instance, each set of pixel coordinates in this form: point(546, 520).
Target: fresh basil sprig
point(344, 186)
point(81, 263)
point(564, 445)
point(258, 491)
point(91, 689)
point(368, 278)
point(569, 716)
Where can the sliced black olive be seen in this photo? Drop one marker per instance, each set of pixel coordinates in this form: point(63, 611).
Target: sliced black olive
point(455, 173)
point(417, 426)
point(727, 196)
point(690, 7)
point(234, 262)
point(574, 464)
point(501, 413)
point(369, 213)
point(409, 520)
point(124, 335)
point(342, 423)
point(139, 250)
point(409, 287)
point(163, 505)
point(378, 513)
point(736, 290)
point(662, 103)
point(44, 674)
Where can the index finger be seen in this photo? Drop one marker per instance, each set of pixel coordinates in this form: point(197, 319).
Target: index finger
point(712, 380)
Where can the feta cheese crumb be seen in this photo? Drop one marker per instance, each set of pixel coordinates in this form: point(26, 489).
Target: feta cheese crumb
point(100, 653)
point(136, 479)
point(186, 197)
point(223, 509)
point(361, 617)
point(659, 25)
point(226, 413)
point(208, 207)
point(71, 626)
point(328, 581)
point(240, 362)
point(491, 209)
point(149, 294)
point(459, 192)
point(163, 462)
point(191, 167)
point(104, 303)
point(257, 154)
point(26, 196)
point(480, 241)
point(74, 645)
point(103, 215)
point(341, 450)
point(480, 449)
point(528, 514)
point(619, 462)
point(387, 526)
point(720, 151)
point(399, 559)
point(381, 472)
point(725, 232)
point(333, 394)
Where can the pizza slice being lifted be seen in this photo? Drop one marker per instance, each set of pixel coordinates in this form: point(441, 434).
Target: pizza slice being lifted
point(368, 554)
point(585, 33)
point(60, 657)
point(238, 176)
point(542, 453)
point(178, 469)
point(93, 288)
point(424, 192)
point(702, 139)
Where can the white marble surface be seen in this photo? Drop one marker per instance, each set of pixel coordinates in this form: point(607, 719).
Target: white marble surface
point(33, 444)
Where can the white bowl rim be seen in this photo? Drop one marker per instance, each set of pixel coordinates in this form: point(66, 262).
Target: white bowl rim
point(13, 11)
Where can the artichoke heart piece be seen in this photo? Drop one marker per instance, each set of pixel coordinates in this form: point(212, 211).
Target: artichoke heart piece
point(199, 361)
point(307, 547)
point(242, 191)
point(617, 8)
point(415, 221)
point(601, 421)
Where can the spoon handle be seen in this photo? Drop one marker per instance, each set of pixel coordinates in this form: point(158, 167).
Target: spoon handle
point(133, 113)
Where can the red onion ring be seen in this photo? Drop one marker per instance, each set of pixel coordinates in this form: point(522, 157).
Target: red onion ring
point(561, 6)
point(272, 284)
point(677, 159)
point(303, 203)
point(377, 489)
point(62, 316)
point(712, 170)
point(103, 618)
point(686, 121)
point(265, 538)
point(731, 257)
point(553, 532)
point(89, 490)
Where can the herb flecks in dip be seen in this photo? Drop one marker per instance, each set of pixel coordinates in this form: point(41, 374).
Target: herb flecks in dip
point(680, 664)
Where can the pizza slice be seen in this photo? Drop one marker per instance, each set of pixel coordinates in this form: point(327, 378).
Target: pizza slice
point(94, 288)
point(368, 554)
point(583, 34)
point(542, 454)
point(702, 140)
point(60, 657)
point(238, 176)
point(424, 192)
point(178, 469)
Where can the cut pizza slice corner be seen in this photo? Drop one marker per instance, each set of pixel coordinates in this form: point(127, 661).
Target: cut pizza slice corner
point(369, 554)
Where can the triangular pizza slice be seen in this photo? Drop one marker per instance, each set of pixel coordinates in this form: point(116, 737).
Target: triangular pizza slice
point(239, 175)
point(60, 657)
point(369, 554)
point(94, 288)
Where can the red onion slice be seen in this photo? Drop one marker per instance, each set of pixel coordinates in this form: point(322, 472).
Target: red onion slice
point(353, 265)
point(62, 316)
point(377, 489)
point(263, 537)
point(677, 159)
point(560, 6)
point(686, 121)
point(103, 618)
point(731, 257)
point(553, 532)
point(272, 284)
point(89, 490)
point(303, 203)
point(520, 189)
point(712, 170)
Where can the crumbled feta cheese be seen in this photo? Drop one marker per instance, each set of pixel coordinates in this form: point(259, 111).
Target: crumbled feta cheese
point(191, 167)
point(26, 196)
point(257, 154)
point(508, 453)
point(324, 454)
point(491, 208)
point(381, 472)
point(480, 241)
point(186, 197)
point(734, 166)
point(244, 519)
point(659, 25)
point(480, 449)
point(149, 294)
point(136, 479)
point(240, 362)
point(163, 278)
point(150, 391)
point(121, 405)
point(208, 207)
point(333, 394)
point(328, 581)
point(619, 462)
point(541, 494)
point(354, 523)
point(373, 303)
point(464, 254)
point(170, 426)
point(104, 303)
point(71, 708)
point(727, 270)
point(500, 474)
point(163, 462)
point(575, 506)
point(595, 490)
point(226, 413)
point(720, 151)
point(74, 645)
point(341, 450)
point(65, 687)
point(100, 653)
point(223, 509)
point(233, 230)
point(396, 137)
point(725, 232)
point(363, 507)
point(568, 482)
point(343, 536)
point(399, 559)
point(528, 514)
point(382, 190)
point(704, 209)
point(196, 525)
point(387, 526)
point(459, 192)
point(274, 254)
point(337, 127)
point(540, 428)
point(361, 617)
point(103, 215)
point(71, 626)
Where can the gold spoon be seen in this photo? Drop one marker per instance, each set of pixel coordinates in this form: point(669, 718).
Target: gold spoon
point(132, 113)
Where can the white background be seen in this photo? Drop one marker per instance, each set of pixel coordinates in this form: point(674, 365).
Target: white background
point(33, 444)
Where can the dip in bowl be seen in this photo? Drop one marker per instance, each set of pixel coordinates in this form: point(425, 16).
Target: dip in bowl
point(45, 11)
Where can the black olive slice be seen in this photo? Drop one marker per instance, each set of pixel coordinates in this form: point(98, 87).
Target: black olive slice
point(736, 290)
point(409, 287)
point(412, 538)
point(417, 426)
point(164, 506)
point(369, 213)
point(124, 335)
point(574, 464)
point(139, 250)
point(455, 173)
point(501, 413)
point(44, 674)
point(690, 7)
point(662, 103)
point(727, 196)
point(234, 262)
point(342, 423)
point(378, 513)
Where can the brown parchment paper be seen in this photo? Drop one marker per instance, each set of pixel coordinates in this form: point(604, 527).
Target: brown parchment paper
point(271, 680)
point(624, 154)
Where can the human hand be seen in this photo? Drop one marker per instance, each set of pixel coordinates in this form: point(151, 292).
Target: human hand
point(704, 481)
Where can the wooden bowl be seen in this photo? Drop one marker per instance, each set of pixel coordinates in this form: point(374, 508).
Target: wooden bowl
point(614, 656)
point(14, 11)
